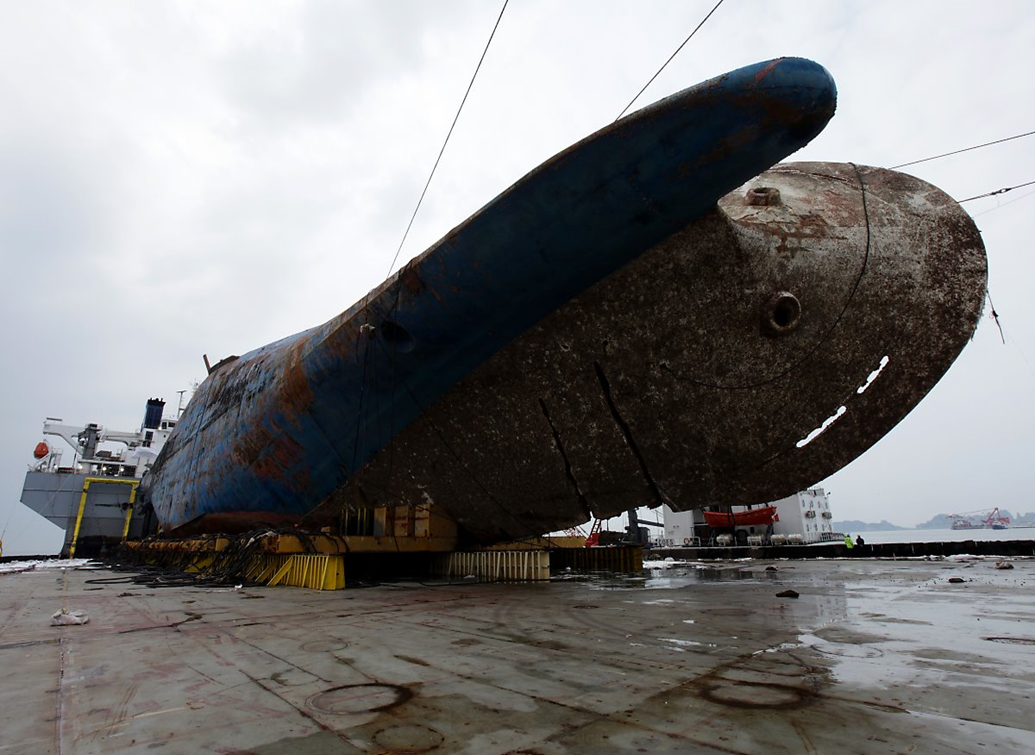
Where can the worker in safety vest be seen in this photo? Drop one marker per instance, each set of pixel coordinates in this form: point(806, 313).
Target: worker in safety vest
point(848, 541)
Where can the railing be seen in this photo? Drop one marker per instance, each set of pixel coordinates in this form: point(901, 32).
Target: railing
point(82, 506)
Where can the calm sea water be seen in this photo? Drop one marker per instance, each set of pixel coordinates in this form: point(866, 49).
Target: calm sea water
point(946, 536)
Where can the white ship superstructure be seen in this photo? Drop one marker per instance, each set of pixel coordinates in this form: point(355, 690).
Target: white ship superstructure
point(804, 517)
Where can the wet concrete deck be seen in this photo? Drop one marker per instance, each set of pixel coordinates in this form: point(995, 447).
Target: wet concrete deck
point(873, 657)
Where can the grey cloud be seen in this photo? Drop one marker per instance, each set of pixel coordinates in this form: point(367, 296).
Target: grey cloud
point(320, 69)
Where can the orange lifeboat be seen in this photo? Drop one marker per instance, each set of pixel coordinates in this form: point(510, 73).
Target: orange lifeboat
point(763, 515)
point(42, 450)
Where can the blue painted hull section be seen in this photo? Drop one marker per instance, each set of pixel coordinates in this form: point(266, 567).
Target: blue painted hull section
point(271, 435)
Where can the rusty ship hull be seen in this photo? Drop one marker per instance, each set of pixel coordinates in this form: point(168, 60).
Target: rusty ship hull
point(272, 434)
point(748, 356)
point(603, 335)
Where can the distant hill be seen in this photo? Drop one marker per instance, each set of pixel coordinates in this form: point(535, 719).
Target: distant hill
point(936, 522)
point(854, 525)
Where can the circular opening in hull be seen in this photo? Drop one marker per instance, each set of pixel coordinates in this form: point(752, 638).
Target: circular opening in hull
point(396, 337)
point(781, 314)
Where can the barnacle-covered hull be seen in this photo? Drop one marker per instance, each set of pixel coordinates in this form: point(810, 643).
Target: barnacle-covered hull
point(601, 336)
point(746, 357)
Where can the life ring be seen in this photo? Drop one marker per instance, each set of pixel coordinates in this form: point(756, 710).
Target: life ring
point(686, 541)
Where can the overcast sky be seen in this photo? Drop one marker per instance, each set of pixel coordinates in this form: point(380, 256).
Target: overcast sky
point(180, 178)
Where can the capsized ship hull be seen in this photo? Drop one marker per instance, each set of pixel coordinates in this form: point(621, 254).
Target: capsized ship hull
point(270, 436)
point(742, 359)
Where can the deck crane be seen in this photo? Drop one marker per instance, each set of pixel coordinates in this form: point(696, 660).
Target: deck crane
point(634, 532)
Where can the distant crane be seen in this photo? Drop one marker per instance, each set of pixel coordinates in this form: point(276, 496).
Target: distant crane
point(997, 521)
point(983, 519)
point(635, 533)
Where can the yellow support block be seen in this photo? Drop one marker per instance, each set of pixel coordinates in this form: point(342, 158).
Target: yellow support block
point(316, 572)
point(496, 566)
point(281, 573)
